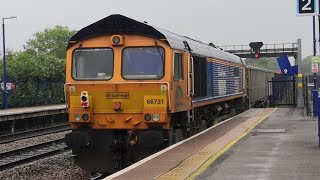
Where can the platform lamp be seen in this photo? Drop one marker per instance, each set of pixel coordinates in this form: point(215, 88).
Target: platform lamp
point(5, 95)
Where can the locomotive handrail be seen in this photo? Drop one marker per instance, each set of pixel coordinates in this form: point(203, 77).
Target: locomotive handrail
point(188, 78)
point(192, 75)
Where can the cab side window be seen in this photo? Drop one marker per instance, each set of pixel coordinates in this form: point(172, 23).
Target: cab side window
point(178, 67)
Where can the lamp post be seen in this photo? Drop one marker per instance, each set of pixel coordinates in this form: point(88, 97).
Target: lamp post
point(5, 95)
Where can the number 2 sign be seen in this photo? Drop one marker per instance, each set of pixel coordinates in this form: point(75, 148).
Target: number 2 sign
point(306, 7)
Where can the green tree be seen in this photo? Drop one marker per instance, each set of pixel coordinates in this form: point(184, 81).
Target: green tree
point(52, 41)
point(306, 65)
point(38, 70)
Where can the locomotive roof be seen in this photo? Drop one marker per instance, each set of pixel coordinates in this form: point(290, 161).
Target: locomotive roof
point(118, 24)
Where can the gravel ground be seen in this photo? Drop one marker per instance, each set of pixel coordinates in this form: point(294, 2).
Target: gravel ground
point(58, 167)
point(31, 141)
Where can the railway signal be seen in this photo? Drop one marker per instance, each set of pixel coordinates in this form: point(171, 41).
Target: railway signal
point(256, 46)
point(256, 55)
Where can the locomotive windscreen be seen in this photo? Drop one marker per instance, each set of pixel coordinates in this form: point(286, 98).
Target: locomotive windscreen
point(143, 63)
point(92, 63)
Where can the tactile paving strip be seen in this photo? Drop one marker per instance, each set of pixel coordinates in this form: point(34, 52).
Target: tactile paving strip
point(191, 164)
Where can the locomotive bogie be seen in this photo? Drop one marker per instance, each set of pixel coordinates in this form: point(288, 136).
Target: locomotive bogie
point(110, 150)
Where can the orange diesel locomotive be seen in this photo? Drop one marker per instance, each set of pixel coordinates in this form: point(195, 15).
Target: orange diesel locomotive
point(133, 89)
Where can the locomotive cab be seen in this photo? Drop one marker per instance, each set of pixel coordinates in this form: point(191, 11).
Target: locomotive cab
point(127, 86)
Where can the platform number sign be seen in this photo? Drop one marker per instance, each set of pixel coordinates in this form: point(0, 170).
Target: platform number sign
point(306, 7)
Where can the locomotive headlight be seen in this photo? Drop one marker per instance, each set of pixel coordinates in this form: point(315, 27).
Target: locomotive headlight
point(77, 117)
point(85, 117)
point(116, 40)
point(156, 117)
point(147, 117)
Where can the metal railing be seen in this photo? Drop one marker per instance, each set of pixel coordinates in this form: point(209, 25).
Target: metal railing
point(35, 93)
point(267, 50)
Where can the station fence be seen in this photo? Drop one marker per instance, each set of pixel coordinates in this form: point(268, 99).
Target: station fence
point(34, 93)
point(308, 86)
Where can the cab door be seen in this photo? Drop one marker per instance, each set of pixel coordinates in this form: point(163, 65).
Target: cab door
point(181, 81)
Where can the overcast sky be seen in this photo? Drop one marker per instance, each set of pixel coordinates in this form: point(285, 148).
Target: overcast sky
point(223, 22)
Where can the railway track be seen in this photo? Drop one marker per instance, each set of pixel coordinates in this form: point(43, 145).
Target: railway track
point(7, 138)
point(24, 155)
point(99, 176)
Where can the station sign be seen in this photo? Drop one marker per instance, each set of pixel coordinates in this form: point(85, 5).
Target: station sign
point(315, 64)
point(315, 59)
point(10, 86)
point(285, 66)
point(307, 7)
point(314, 68)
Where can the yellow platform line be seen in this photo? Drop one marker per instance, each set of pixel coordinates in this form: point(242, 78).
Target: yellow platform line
point(198, 162)
point(227, 147)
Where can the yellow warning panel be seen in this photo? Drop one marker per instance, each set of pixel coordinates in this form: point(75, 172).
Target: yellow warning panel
point(300, 85)
point(300, 75)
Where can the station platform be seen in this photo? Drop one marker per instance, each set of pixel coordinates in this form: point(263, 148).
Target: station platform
point(257, 144)
point(30, 112)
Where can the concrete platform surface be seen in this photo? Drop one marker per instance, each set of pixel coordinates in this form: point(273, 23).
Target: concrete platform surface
point(180, 160)
point(29, 112)
point(284, 146)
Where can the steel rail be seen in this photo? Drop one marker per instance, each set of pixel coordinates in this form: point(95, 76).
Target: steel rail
point(11, 137)
point(24, 155)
